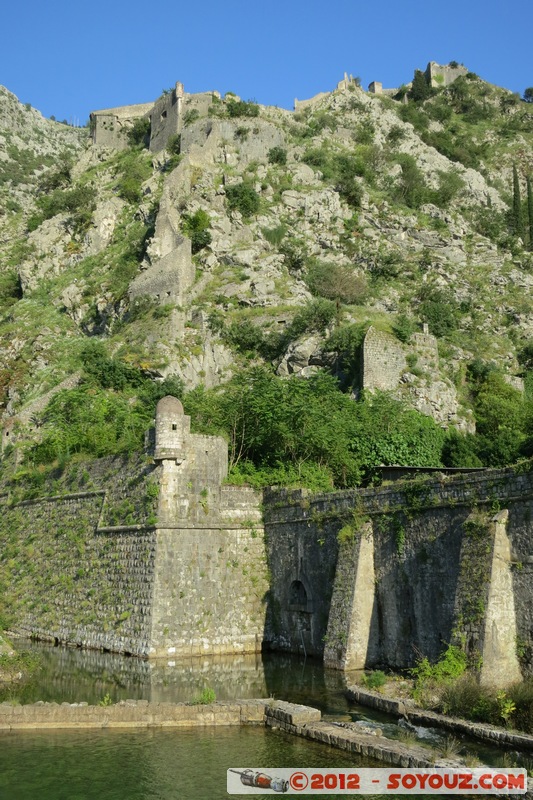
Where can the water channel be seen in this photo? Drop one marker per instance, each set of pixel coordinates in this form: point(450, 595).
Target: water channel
point(164, 765)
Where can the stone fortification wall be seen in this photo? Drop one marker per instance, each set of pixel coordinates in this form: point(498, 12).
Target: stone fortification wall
point(411, 370)
point(438, 75)
point(450, 560)
point(383, 361)
point(165, 118)
point(167, 278)
point(154, 559)
point(109, 127)
point(300, 105)
point(209, 589)
point(78, 566)
point(211, 567)
point(157, 557)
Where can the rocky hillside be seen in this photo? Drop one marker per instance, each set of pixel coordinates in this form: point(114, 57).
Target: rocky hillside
point(387, 242)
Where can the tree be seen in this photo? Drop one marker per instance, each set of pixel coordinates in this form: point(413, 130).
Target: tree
point(500, 421)
point(242, 108)
point(297, 430)
point(420, 88)
point(139, 133)
point(460, 450)
point(528, 95)
point(412, 189)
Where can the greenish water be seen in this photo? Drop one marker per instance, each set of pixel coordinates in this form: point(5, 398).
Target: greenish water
point(71, 675)
point(147, 765)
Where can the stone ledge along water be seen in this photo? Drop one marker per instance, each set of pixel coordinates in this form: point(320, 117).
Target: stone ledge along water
point(419, 716)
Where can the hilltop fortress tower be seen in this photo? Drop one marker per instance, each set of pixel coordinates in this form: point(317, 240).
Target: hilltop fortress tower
point(175, 108)
point(110, 126)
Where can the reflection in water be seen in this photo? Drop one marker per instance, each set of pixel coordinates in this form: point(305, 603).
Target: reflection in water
point(74, 675)
point(147, 765)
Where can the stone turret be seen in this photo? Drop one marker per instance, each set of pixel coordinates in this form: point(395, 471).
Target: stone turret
point(439, 75)
point(172, 429)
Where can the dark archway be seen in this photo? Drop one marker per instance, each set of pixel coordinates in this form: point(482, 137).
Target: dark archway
point(298, 600)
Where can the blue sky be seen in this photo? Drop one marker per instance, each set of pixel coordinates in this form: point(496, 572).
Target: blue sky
point(67, 58)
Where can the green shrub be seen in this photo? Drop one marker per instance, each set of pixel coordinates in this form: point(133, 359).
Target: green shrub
point(364, 132)
point(462, 696)
point(10, 288)
point(396, 135)
point(460, 450)
point(316, 123)
point(133, 170)
point(139, 133)
point(374, 679)
point(79, 202)
point(439, 309)
point(316, 477)
point(415, 115)
point(241, 108)
point(243, 197)
point(404, 327)
point(206, 697)
point(412, 189)
point(195, 226)
point(319, 157)
point(174, 144)
point(387, 265)
point(241, 133)
point(58, 176)
point(244, 336)
point(277, 155)
point(275, 236)
point(347, 169)
point(345, 342)
point(451, 665)
point(439, 111)
point(190, 116)
point(316, 315)
point(295, 253)
point(106, 700)
point(336, 282)
point(450, 184)
point(521, 694)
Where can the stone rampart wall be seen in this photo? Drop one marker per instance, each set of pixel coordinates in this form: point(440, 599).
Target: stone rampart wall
point(383, 361)
point(154, 559)
point(79, 566)
point(436, 553)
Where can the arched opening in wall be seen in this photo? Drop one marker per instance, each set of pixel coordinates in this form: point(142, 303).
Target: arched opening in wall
point(298, 600)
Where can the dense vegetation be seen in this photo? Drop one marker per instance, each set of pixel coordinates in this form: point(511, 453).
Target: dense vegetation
point(450, 688)
point(323, 431)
